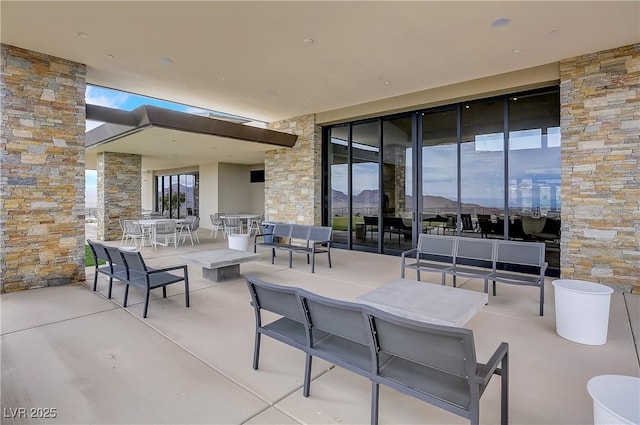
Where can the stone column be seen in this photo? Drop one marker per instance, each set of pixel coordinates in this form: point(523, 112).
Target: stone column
point(293, 176)
point(600, 119)
point(42, 170)
point(119, 192)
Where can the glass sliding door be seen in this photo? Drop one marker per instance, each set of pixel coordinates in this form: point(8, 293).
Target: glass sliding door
point(338, 183)
point(486, 169)
point(482, 163)
point(177, 195)
point(397, 184)
point(439, 182)
point(365, 184)
point(534, 170)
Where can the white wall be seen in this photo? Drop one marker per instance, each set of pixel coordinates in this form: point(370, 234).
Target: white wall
point(208, 193)
point(236, 193)
point(147, 190)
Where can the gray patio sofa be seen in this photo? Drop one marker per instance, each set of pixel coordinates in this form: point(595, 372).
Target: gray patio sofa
point(433, 363)
point(513, 262)
point(296, 238)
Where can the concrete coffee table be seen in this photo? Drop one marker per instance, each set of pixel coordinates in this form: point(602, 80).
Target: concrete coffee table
point(221, 264)
point(426, 302)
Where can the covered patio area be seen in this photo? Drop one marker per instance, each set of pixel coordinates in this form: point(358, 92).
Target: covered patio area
point(73, 350)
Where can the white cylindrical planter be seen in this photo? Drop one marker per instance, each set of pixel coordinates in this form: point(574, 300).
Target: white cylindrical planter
point(239, 241)
point(615, 399)
point(582, 311)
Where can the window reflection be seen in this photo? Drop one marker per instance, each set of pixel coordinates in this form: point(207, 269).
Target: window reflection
point(178, 195)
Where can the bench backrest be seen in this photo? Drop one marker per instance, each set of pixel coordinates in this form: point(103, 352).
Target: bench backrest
point(370, 221)
point(448, 349)
point(282, 300)
point(136, 266)
point(320, 234)
point(299, 231)
point(443, 246)
point(282, 230)
point(98, 251)
point(115, 257)
point(336, 317)
point(475, 249)
point(522, 253)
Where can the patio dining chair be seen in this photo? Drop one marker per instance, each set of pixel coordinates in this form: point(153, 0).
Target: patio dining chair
point(217, 223)
point(165, 233)
point(190, 226)
point(232, 225)
point(256, 225)
point(133, 232)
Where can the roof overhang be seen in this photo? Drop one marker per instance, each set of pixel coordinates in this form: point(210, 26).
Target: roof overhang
point(171, 139)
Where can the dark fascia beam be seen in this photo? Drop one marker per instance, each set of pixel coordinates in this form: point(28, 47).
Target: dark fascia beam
point(151, 116)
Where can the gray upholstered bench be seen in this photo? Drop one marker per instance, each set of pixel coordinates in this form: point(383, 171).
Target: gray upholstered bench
point(221, 264)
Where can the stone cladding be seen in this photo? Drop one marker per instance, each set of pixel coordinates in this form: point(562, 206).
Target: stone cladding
point(293, 176)
point(42, 165)
point(600, 119)
point(119, 189)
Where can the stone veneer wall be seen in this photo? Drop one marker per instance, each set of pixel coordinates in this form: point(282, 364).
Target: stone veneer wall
point(42, 166)
point(600, 119)
point(293, 176)
point(119, 192)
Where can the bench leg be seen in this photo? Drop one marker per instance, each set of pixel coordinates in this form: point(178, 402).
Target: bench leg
point(329, 255)
point(256, 351)
point(146, 303)
point(504, 394)
point(307, 376)
point(375, 396)
point(110, 287)
point(186, 288)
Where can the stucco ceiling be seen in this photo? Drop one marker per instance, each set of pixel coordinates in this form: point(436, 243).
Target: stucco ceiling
point(271, 60)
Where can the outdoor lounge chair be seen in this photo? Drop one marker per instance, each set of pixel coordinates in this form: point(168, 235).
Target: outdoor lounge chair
point(112, 269)
point(140, 275)
point(118, 266)
point(438, 365)
point(289, 328)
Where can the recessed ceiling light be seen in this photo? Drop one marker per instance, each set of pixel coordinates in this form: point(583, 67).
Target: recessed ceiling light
point(166, 60)
point(110, 56)
point(516, 51)
point(222, 78)
point(500, 22)
point(308, 41)
point(83, 34)
point(466, 106)
point(387, 82)
point(554, 31)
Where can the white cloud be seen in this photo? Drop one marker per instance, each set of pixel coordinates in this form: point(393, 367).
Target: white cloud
point(108, 98)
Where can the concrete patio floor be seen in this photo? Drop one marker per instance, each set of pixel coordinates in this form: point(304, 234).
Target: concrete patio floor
point(73, 350)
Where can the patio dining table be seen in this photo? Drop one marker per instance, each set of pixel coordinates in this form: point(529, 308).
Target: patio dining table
point(150, 224)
